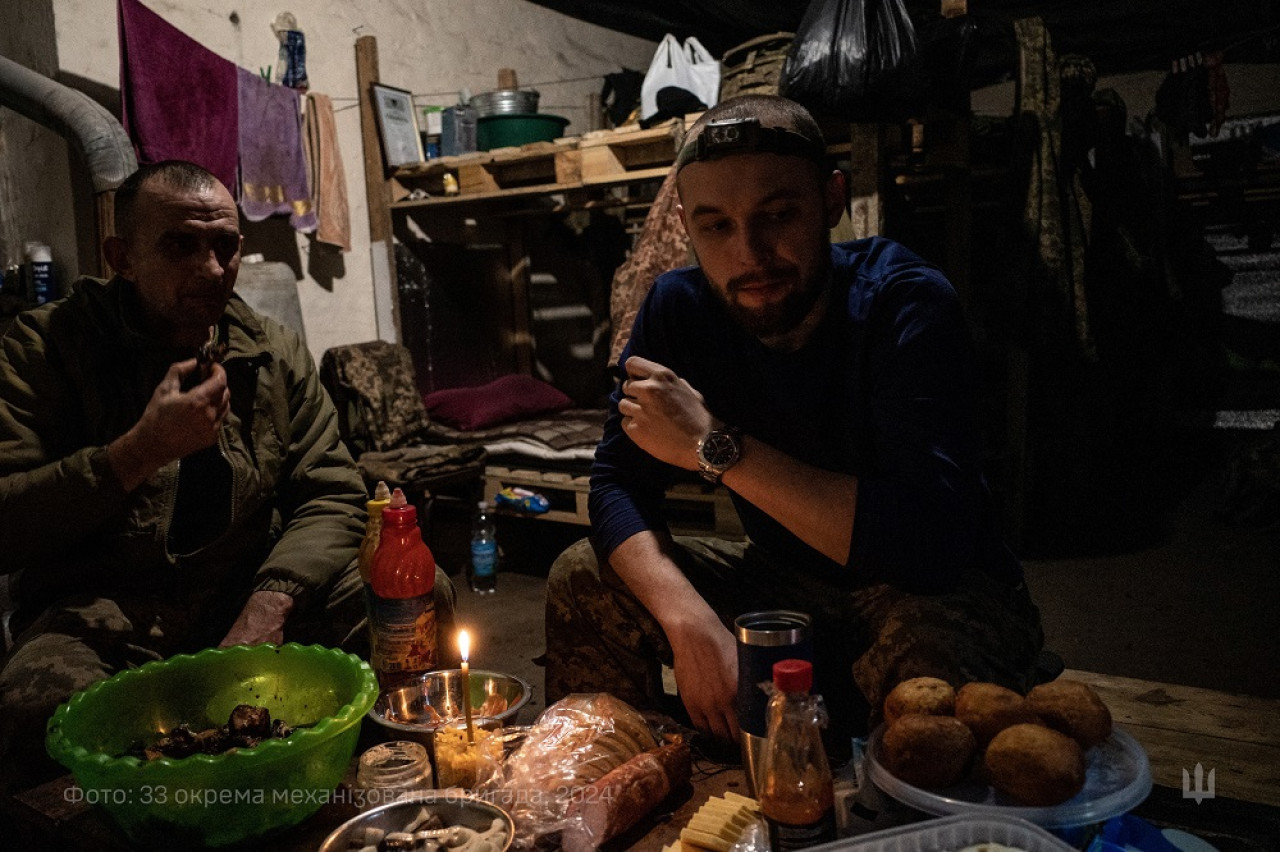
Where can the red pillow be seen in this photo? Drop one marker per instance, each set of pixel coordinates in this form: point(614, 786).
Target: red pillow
point(507, 398)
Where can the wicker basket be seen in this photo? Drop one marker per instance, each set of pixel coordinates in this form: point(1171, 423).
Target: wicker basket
point(754, 67)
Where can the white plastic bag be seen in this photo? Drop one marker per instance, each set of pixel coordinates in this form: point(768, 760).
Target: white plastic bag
point(704, 72)
point(688, 66)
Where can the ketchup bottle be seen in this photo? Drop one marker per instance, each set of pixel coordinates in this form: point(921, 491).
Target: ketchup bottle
point(797, 798)
point(402, 617)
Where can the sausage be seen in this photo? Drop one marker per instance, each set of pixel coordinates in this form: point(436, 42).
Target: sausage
point(604, 809)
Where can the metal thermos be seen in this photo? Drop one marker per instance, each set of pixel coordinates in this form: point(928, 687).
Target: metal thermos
point(764, 638)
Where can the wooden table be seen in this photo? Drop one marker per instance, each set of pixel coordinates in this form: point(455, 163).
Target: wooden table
point(1238, 737)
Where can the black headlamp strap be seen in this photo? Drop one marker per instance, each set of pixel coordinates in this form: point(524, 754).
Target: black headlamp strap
point(747, 136)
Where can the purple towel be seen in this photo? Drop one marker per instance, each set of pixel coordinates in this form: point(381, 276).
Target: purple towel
point(179, 99)
point(273, 165)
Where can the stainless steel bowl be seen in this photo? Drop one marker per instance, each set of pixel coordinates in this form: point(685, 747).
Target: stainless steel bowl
point(504, 101)
point(416, 710)
point(453, 807)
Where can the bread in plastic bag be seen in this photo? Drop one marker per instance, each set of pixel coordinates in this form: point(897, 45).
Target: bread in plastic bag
point(575, 742)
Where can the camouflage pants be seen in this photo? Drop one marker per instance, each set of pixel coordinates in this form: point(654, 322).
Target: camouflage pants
point(83, 639)
point(866, 638)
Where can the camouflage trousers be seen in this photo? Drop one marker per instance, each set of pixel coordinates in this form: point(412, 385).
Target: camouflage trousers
point(866, 637)
point(85, 638)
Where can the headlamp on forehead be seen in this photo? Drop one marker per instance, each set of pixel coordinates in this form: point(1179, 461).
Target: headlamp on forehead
point(747, 136)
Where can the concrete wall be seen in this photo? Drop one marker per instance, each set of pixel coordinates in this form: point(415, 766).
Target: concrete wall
point(431, 47)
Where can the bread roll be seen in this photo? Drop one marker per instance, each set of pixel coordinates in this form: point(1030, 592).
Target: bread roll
point(1035, 765)
point(928, 751)
point(928, 696)
point(989, 708)
point(1074, 709)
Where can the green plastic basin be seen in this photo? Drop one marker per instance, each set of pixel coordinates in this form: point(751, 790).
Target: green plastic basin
point(517, 128)
point(215, 800)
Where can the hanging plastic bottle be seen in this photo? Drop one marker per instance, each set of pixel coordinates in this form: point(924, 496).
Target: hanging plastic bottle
point(402, 616)
point(291, 62)
point(482, 573)
point(797, 798)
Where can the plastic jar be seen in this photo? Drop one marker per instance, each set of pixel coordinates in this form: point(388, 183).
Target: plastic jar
point(389, 771)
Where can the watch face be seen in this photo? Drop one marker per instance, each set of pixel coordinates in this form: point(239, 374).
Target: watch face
point(719, 449)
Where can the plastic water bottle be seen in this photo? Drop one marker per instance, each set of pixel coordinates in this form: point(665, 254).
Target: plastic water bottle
point(40, 269)
point(483, 574)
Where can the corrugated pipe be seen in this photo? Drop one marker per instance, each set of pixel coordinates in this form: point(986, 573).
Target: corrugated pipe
point(108, 153)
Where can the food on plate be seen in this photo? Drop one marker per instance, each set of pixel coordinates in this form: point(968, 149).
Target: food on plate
point(246, 726)
point(719, 824)
point(606, 808)
point(928, 751)
point(989, 708)
point(929, 696)
point(1035, 765)
point(1074, 709)
point(426, 830)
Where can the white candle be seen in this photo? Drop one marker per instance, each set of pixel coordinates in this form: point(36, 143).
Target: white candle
point(464, 646)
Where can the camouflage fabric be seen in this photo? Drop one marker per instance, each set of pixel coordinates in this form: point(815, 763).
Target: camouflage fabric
point(661, 246)
point(84, 639)
point(372, 384)
point(426, 467)
point(1057, 213)
point(866, 637)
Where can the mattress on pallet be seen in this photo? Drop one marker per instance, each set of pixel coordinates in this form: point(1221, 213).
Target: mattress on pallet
point(569, 435)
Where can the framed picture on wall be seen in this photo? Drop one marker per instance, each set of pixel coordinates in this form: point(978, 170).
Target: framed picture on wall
point(401, 144)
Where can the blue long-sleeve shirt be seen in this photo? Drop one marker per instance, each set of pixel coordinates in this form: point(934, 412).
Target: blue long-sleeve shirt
point(884, 390)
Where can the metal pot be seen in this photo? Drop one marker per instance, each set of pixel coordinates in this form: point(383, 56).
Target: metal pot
point(505, 101)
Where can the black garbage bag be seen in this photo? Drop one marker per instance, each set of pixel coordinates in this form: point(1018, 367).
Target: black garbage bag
point(856, 60)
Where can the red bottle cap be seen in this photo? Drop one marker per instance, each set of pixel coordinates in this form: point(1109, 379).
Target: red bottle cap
point(400, 512)
point(793, 675)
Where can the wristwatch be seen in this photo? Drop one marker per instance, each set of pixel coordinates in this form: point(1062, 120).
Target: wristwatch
point(719, 450)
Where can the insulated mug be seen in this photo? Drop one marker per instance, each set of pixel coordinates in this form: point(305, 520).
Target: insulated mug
point(764, 638)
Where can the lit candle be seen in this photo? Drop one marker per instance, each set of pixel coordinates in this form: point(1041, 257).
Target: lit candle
point(464, 646)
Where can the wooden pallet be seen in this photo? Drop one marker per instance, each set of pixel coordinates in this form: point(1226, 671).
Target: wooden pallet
point(610, 155)
point(691, 509)
point(540, 164)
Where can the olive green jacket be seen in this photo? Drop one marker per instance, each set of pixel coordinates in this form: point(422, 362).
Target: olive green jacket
point(76, 374)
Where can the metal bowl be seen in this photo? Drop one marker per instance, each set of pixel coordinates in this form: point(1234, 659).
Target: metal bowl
point(504, 101)
point(453, 807)
point(416, 710)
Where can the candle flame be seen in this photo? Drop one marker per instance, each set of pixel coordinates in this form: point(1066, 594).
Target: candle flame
point(464, 644)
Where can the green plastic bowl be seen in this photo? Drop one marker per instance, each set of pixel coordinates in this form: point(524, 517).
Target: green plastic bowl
point(512, 129)
point(216, 800)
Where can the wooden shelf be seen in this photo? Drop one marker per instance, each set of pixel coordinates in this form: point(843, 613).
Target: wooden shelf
point(601, 158)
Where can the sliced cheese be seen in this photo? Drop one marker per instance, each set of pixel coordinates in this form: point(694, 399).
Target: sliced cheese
point(727, 810)
point(719, 823)
point(703, 840)
point(728, 829)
